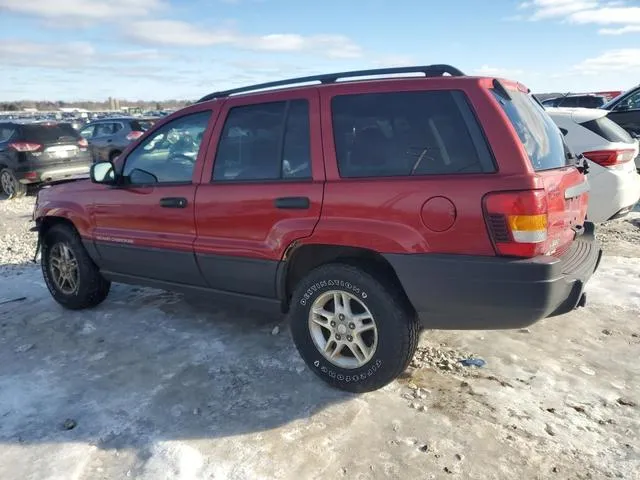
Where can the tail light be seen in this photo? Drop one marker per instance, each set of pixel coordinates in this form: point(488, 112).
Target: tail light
point(25, 146)
point(82, 143)
point(610, 158)
point(31, 175)
point(134, 135)
point(518, 222)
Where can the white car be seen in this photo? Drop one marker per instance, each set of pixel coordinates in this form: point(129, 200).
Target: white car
point(610, 153)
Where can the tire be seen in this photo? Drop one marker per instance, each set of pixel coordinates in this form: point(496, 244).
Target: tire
point(391, 344)
point(90, 286)
point(10, 185)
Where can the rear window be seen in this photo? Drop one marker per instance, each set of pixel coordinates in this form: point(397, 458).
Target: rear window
point(408, 133)
point(141, 125)
point(55, 133)
point(608, 130)
point(540, 136)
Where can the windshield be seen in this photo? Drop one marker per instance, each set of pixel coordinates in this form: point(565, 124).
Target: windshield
point(49, 133)
point(610, 104)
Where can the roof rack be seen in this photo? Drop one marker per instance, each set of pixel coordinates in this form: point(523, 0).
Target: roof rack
point(428, 70)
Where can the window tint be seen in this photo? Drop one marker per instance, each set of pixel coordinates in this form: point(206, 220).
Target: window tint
point(608, 130)
point(632, 102)
point(169, 154)
point(540, 136)
point(570, 102)
point(103, 130)
point(87, 132)
point(49, 133)
point(5, 133)
point(407, 133)
point(117, 126)
point(269, 141)
point(592, 102)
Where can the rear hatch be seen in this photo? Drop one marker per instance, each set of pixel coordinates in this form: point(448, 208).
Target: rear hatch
point(563, 201)
point(54, 144)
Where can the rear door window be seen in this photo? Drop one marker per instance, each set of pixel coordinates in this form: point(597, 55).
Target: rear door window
point(49, 133)
point(608, 130)
point(269, 141)
point(141, 125)
point(408, 133)
point(538, 133)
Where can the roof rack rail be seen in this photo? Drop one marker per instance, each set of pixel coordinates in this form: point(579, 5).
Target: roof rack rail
point(428, 70)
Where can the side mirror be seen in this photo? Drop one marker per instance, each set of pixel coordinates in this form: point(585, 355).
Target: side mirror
point(102, 172)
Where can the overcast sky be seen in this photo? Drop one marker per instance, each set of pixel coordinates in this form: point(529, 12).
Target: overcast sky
point(160, 49)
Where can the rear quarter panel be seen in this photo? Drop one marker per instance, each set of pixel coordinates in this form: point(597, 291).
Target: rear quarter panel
point(384, 213)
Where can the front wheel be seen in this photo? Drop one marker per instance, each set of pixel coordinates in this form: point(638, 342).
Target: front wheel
point(72, 278)
point(354, 331)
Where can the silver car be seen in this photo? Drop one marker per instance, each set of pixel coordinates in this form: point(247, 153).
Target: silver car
point(108, 137)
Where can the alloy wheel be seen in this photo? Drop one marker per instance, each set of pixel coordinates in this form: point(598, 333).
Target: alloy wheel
point(343, 329)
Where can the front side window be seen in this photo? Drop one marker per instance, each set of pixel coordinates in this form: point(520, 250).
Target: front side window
point(169, 154)
point(269, 141)
point(408, 133)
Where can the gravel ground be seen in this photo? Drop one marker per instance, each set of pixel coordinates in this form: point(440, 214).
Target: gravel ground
point(151, 385)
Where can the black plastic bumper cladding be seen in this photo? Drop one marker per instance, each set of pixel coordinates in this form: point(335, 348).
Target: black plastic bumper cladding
point(460, 292)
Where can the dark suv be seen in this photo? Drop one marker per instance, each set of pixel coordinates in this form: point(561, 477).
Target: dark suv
point(110, 136)
point(587, 100)
point(39, 152)
point(625, 111)
point(366, 209)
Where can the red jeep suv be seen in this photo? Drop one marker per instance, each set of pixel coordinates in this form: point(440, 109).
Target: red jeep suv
point(366, 209)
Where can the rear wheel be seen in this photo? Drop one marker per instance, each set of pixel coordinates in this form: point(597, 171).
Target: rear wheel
point(72, 278)
point(353, 331)
point(10, 185)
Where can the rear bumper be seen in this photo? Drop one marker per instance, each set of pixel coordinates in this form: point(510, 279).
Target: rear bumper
point(44, 173)
point(459, 292)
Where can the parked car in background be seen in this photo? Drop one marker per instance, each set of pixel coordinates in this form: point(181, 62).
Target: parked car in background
point(610, 152)
point(39, 152)
point(110, 136)
point(625, 111)
point(587, 100)
point(367, 209)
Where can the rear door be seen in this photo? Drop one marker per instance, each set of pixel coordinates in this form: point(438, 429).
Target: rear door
point(262, 189)
point(145, 228)
point(567, 188)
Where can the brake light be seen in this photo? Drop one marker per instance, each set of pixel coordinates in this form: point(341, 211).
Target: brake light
point(25, 146)
point(82, 143)
point(610, 158)
point(134, 135)
point(518, 222)
point(31, 175)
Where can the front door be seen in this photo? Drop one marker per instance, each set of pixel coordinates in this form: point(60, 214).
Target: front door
point(260, 191)
point(145, 227)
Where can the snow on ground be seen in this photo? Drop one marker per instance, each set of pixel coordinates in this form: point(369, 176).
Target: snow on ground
point(159, 386)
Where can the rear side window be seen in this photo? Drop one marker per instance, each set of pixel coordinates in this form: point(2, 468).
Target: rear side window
point(608, 130)
point(55, 133)
point(408, 133)
point(269, 141)
point(540, 136)
point(6, 133)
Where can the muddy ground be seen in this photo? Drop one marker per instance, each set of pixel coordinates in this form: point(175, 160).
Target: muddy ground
point(152, 385)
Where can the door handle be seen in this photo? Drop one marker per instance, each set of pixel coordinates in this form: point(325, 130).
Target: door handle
point(173, 202)
point(293, 203)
